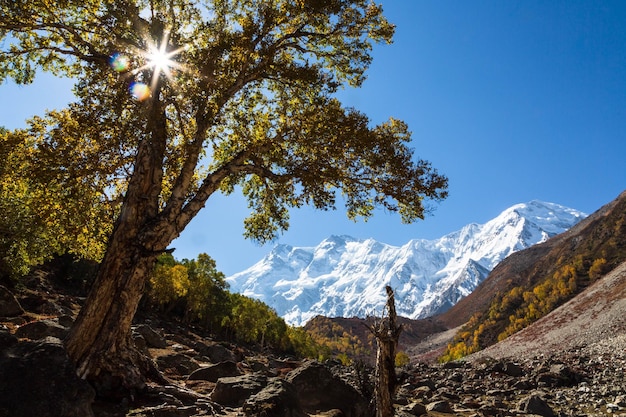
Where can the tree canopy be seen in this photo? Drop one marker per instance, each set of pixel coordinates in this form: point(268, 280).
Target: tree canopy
point(49, 204)
point(245, 92)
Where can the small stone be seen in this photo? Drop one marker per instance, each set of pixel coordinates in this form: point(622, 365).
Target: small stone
point(440, 407)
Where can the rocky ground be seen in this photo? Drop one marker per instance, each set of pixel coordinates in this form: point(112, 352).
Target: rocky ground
point(587, 377)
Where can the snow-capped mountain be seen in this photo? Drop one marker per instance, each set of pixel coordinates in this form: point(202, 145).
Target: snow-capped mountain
point(345, 277)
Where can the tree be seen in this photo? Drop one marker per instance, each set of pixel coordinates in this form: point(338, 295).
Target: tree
point(226, 95)
point(47, 208)
point(387, 333)
point(207, 298)
point(169, 282)
point(597, 268)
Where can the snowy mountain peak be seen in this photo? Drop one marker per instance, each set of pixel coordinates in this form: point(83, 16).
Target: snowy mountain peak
point(344, 276)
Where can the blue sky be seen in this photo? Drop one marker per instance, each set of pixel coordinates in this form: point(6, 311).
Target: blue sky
point(512, 100)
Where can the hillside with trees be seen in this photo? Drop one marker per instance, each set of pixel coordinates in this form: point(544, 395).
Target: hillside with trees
point(530, 284)
point(195, 293)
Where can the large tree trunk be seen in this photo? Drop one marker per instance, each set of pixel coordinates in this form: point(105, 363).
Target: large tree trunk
point(387, 333)
point(99, 342)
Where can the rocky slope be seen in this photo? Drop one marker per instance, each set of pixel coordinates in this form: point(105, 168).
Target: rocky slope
point(592, 322)
point(214, 378)
point(572, 362)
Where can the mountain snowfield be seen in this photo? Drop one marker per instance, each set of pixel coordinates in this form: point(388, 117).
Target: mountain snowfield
point(346, 277)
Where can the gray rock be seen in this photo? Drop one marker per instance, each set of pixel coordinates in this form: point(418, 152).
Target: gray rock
point(181, 363)
point(38, 379)
point(423, 392)
point(140, 343)
point(319, 390)
point(165, 410)
point(426, 382)
point(9, 306)
point(42, 328)
point(439, 406)
point(512, 369)
point(152, 338)
point(415, 408)
point(66, 321)
point(234, 391)
point(6, 338)
point(215, 352)
point(214, 372)
point(565, 375)
point(277, 399)
point(171, 395)
point(534, 404)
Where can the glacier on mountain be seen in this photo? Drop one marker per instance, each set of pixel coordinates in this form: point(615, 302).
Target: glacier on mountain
point(345, 277)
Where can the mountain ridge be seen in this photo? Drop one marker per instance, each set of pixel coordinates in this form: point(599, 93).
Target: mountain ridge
point(532, 283)
point(343, 276)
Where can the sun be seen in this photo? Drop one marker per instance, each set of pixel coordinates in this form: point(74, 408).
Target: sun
point(161, 60)
point(157, 58)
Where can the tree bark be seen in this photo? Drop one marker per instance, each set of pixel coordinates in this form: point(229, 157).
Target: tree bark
point(387, 333)
point(99, 342)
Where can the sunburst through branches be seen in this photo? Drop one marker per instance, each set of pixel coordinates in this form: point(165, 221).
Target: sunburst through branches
point(158, 58)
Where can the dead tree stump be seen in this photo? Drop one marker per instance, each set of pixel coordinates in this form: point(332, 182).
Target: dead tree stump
point(387, 333)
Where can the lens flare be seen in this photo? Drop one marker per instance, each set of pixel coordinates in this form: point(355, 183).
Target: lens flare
point(157, 60)
point(139, 91)
point(119, 62)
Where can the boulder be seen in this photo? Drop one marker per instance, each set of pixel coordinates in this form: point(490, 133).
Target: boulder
point(40, 329)
point(152, 338)
point(38, 379)
point(140, 343)
point(33, 302)
point(9, 306)
point(319, 390)
point(565, 375)
point(425, 382)
point(534, 404)
point(284, 364)
point(179, 362)
point(277, 399)
point(6, 338)
point(215, 352)
point(66, 321)
point(415, 408)
point(212, 373)
point(620, 401)
point(512, 369)
point(423, 392)
point(234, 391)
